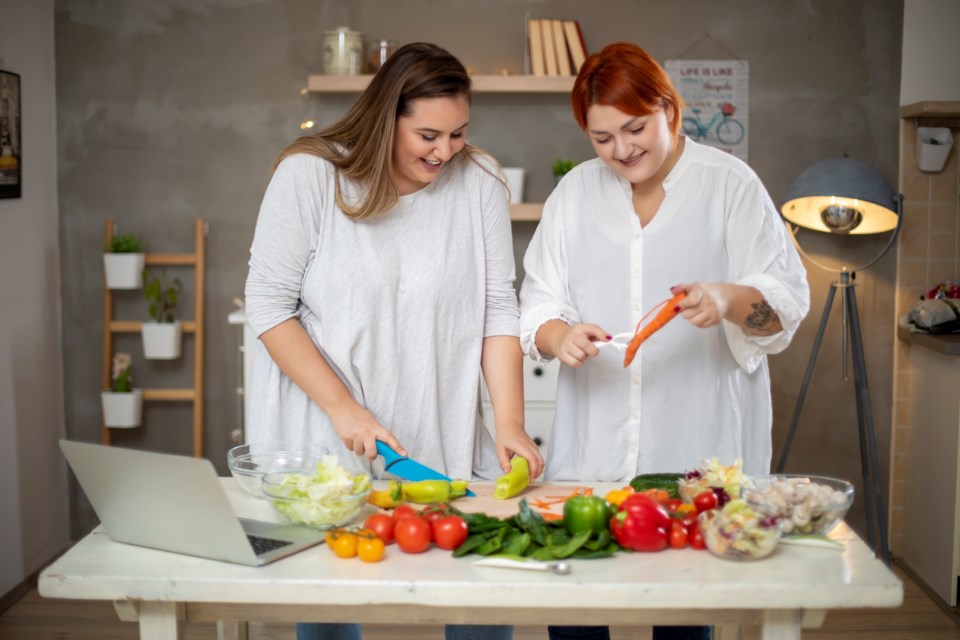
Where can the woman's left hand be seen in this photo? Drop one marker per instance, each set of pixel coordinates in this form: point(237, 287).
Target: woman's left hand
point(706, 303)
point(518, 442)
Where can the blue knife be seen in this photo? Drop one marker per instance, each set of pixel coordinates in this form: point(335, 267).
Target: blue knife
point(408, 469)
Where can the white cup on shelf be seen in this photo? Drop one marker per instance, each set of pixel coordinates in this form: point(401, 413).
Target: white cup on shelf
point(514, 176)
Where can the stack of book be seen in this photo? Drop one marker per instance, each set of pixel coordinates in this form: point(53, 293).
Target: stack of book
point(556, 47)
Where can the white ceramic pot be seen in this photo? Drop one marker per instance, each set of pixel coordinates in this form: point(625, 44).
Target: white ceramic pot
point(123, 270)
point(161, 340)
point(933, 148)
point(122, 410)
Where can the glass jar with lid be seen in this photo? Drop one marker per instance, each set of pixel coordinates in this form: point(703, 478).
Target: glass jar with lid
point(342, 52)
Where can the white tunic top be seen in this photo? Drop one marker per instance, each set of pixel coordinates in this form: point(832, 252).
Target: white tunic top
point(398, 304)
point(690, 393)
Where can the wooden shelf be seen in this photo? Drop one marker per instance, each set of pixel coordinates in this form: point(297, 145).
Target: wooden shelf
point(526, 211)
point(481, 84)
point(197, 260)
point(933, 109)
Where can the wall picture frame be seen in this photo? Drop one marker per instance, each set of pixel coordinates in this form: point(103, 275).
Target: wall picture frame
point(11, 146)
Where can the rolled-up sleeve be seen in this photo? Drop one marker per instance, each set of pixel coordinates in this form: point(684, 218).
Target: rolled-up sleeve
point(762, 256)
point(544, 293)
point(285, 236)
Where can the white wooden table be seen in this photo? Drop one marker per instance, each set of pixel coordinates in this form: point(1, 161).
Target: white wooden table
point(785, 592)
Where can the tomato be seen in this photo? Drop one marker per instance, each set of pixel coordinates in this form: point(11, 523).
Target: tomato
point(449, 532)
point(412, 534)
point(677, 536)
point(672, 504)
point(404, 511)
point(381, 525)
point(695, 537)
point(370, 547)
point(586, 513)
point(705, 501)
point(344, 544)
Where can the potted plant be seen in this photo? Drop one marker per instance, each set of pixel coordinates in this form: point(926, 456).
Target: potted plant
point(123, 259)
point(122, 404)
point(161, 338)
point(560, 167)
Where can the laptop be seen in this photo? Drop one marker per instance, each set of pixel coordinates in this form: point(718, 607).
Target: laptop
point(176, 503)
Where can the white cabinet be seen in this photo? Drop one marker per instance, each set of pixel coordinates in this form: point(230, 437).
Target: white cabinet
point(539, 395)
point(932, 474)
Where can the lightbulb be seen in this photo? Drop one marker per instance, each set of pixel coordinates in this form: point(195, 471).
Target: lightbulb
point(307, 124)
point(841, 218)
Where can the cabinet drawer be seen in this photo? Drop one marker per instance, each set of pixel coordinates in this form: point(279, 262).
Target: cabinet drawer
point(538, 421)
point(540, 380)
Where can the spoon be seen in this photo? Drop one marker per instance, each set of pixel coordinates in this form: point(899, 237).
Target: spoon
point(560, 568)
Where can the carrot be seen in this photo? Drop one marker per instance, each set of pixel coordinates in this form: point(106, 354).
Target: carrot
point(664, 316)
point(551, 517)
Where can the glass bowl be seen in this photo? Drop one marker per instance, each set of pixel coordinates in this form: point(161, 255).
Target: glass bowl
point(249, 462)
point(804, 505)
point(737, 532)
point(300, 500)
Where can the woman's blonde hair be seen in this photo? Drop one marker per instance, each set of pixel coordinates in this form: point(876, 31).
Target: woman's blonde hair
point(360, 144)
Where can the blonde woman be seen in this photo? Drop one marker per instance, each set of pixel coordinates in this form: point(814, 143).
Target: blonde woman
point(381, 286)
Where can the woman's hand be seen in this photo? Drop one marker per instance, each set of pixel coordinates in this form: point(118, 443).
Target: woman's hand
point(511, 442)
point(707, 303)
point(359, 430)
point(575, 344)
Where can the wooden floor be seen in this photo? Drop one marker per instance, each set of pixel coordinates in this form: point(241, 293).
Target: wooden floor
point(36, 618)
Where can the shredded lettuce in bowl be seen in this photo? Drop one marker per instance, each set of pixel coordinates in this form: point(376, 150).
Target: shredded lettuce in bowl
point(328, 497)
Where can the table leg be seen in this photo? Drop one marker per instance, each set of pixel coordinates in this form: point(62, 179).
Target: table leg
point(781, 624)
point(161, 620)
point(232, 630)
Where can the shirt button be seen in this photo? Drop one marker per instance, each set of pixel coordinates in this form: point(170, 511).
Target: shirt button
point(636, 379)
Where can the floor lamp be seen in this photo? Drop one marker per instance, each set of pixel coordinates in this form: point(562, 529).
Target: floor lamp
point(844, 196)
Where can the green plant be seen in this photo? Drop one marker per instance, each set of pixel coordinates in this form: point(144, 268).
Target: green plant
point(161, 296)
point(122, 372)
point(561, 166)
point(124, 243)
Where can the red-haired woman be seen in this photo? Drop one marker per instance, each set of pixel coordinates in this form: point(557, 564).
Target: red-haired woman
point(654, 214)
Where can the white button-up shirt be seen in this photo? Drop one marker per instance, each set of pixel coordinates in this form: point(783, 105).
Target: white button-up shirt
point(690, 393)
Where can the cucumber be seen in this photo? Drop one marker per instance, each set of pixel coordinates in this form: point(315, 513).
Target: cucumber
point(665, 481)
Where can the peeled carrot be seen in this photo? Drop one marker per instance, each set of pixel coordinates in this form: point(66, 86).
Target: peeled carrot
point(665, 315)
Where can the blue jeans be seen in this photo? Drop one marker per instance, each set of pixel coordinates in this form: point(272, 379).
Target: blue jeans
point(603, 633)
point(329, 631)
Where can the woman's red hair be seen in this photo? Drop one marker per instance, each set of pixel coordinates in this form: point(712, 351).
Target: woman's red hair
point(625, 77)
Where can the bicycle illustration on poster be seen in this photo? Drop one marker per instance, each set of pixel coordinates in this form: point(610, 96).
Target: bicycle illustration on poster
point(10, 143)
point(716, 93)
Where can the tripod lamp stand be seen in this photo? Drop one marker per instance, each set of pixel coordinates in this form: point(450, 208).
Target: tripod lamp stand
point(844, 196)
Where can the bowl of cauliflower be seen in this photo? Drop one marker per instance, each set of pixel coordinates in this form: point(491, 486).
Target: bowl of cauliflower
point(803, 505)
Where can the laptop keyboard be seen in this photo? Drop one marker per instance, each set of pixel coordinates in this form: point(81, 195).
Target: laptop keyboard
point(263, 545)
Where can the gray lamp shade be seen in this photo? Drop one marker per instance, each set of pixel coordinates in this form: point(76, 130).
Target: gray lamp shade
point(841, 195)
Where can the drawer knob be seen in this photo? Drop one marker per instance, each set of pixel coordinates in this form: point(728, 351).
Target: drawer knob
point(537, 440)
point(538, 371)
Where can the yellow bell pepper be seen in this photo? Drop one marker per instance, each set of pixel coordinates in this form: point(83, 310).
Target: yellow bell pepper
point(387, 498)
point(427, 491)
point(617, 496)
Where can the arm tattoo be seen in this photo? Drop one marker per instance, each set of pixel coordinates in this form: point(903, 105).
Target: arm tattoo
point(764, 321)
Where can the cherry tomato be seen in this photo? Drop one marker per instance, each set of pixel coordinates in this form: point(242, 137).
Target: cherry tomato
point(344, 544)
point(695, 537)
point(404, 511)
point(412, 534)
point(434, 511)
point(370, 547)
point(381, 525)
point(677, 537)
point(705, 501)
point(449, 532)
point(672, 504)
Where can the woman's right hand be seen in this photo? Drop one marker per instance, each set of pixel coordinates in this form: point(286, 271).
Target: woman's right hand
point(575, 345)
point(359, 430)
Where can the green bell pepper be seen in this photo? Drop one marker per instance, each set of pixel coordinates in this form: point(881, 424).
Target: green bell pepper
point(586, 513)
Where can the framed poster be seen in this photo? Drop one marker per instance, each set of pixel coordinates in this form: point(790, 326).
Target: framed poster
point(717, 97)
point(11, 148)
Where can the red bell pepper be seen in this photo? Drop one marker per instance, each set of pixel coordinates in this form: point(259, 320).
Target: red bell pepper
point(641, 524)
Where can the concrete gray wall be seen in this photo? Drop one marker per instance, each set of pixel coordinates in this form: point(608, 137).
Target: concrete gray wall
point(169, 110)
point(33, 476)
